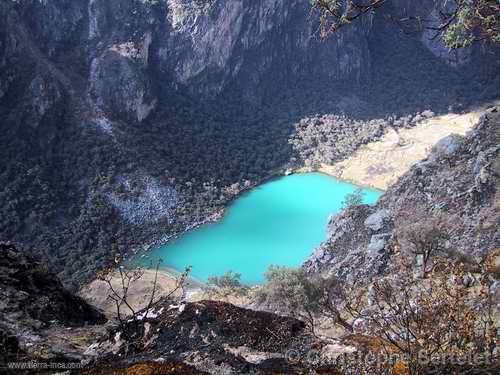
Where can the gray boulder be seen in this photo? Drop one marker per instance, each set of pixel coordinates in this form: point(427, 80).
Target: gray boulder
point(446, 146)
point(377, 244)
point(427, 113)
point(376, 221)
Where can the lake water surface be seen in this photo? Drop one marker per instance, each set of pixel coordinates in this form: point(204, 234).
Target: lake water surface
point(279, 222)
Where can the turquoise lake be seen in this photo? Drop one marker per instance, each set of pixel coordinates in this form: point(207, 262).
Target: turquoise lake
point(277, 223)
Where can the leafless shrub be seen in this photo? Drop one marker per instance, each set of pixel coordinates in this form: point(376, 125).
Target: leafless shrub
point(438, 317)
point(424, 235)
point(120, 295)
point(449, 314)
point(292, 292)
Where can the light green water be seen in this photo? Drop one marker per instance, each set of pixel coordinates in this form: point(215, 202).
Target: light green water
point(279, 222)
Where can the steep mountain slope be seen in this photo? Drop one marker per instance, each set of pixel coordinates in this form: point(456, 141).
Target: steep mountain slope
point(459, 181)
point(33, 301)
point(127, 120)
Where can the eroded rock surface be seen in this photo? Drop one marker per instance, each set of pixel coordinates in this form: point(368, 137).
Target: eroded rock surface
point(212, 336)
point(460, 179)
point(33, 297)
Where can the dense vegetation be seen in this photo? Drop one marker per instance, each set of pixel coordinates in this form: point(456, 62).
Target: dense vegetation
point(59, 168)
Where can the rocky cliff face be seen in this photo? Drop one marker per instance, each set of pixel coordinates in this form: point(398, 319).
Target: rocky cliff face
point(209, 47)
point(246, 44)
point(32, 297)
point(33, 305)
point(121, 46)
point(206, 47)
point(185, 97)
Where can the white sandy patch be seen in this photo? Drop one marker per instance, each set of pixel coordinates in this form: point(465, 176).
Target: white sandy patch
point(379, 164)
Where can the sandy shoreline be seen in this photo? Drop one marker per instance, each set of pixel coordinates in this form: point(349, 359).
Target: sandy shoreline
point(139, 294)
point(329, 170)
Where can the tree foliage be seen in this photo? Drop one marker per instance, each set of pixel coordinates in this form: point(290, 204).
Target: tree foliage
point(227, 285)
point(353, 199)
point(459, 23)
point(292, 292)
point(425, 236)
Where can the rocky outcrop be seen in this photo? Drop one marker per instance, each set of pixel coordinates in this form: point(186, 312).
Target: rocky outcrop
point(31, 298)
point(119, 88)
point(376, 221)
point(446, 147)
point(460, 181)
point(40, 320)
point(352, 250)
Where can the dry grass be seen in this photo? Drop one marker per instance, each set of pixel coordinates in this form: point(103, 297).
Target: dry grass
point(96, 292)
point(379, 164)
point(139, 294)
point(147, 368)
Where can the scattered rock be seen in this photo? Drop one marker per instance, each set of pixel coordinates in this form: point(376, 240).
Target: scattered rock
point(447, 146)
point(144, 200)
point(377, 244)
point(428, 113)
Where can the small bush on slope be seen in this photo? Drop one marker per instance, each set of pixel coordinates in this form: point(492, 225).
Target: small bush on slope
point(227, 285)
point(447, 316)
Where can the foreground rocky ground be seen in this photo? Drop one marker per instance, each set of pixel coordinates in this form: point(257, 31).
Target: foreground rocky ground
point(44, 323)
point(214, 336)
